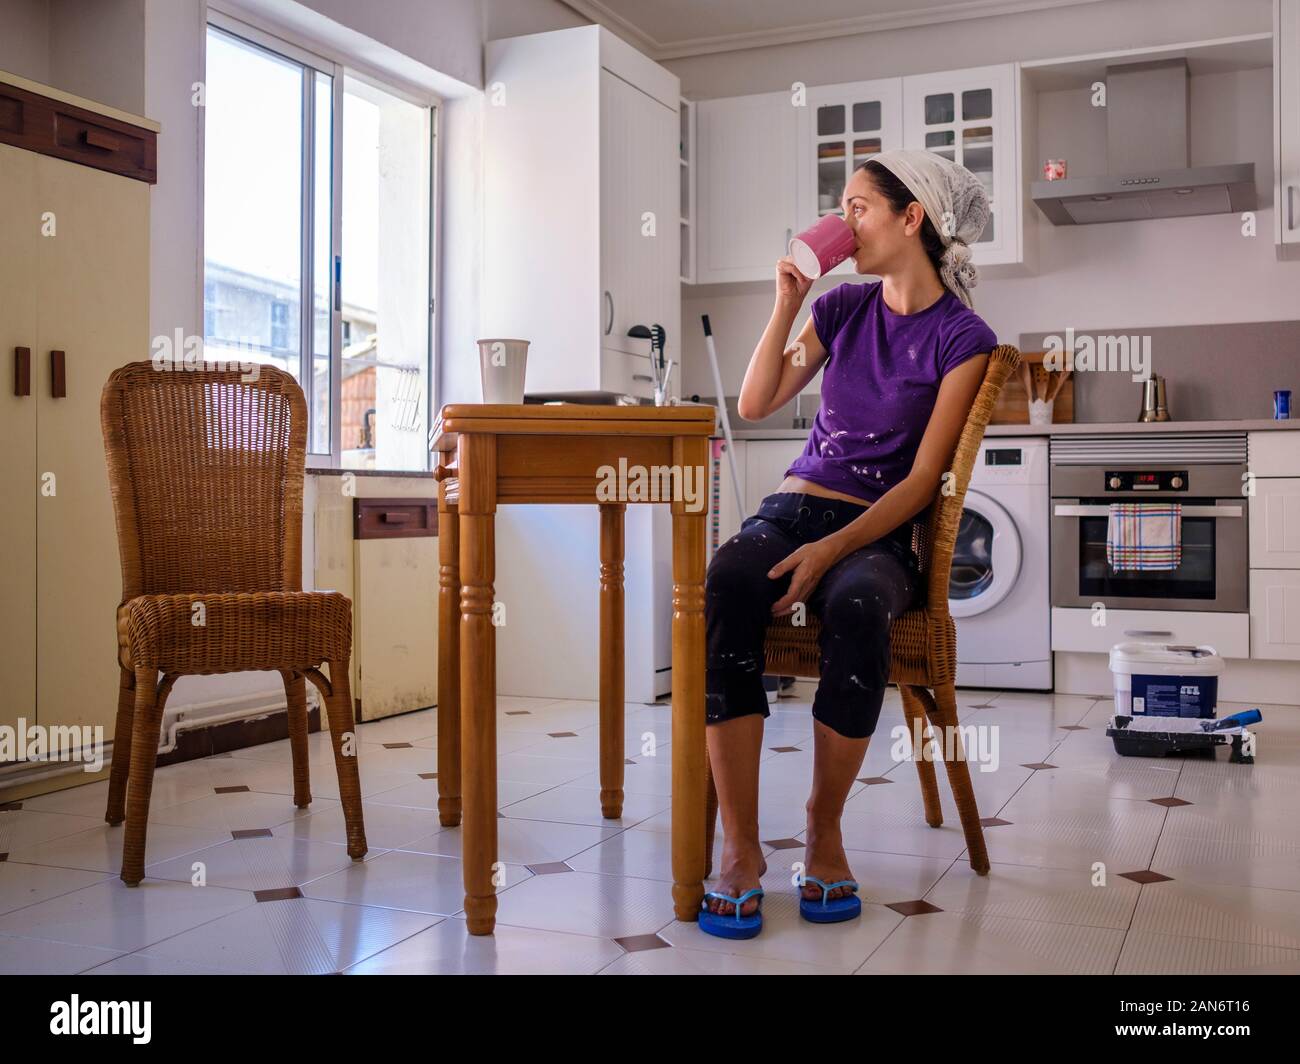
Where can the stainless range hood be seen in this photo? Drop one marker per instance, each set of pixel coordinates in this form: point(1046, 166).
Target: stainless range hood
point(1146, 142)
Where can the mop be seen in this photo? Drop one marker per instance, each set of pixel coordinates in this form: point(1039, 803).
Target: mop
point(722, 412)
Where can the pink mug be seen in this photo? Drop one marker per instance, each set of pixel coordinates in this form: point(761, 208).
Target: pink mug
point(822, 247)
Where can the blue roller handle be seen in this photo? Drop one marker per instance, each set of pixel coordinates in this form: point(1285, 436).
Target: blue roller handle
point(1237, 720)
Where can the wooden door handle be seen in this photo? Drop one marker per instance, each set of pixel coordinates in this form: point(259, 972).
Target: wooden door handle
point(22, 371)
point(95, 138)
point(394, 517)
point(58, 375)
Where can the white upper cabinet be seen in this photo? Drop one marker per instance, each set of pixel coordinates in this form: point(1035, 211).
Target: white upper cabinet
point(746, 184)
point(972, 117)
point(1286, 117)
point(841, 128)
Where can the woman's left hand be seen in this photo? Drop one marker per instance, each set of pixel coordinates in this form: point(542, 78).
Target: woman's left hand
point(809, 564)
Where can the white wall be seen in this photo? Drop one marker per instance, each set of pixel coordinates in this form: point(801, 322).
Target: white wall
point(25, 38)
point(1156, 273)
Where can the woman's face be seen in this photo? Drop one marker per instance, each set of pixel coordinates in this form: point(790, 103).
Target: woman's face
point(882, 234)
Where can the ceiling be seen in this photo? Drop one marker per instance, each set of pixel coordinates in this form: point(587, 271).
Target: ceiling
point(666, 29)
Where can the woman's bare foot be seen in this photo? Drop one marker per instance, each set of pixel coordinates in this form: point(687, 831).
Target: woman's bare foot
point(824, 858)
point(742, 866)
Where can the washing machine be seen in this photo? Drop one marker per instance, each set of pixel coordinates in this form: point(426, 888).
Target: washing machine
point(999, 590)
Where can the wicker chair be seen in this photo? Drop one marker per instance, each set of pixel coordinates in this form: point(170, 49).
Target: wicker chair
point(206, 471)
point(923, 642)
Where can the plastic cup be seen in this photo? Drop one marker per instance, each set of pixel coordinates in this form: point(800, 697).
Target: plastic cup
point(502, 364)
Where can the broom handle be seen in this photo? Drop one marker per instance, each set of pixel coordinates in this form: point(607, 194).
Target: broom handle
point(722, 413)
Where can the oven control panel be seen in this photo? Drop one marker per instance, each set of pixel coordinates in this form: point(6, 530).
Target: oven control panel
point(1130, 480)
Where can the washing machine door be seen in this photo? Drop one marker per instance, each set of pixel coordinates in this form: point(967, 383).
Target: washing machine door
point(986, 558)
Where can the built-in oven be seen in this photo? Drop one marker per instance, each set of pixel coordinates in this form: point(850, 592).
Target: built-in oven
point(1213, 570)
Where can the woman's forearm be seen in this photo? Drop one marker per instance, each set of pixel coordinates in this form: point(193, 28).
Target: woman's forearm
point(766, 366)
point(900, 503)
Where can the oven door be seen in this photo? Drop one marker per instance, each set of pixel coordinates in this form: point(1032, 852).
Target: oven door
point(1212, 575)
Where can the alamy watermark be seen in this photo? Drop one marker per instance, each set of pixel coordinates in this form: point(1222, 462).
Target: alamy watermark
point(1100, 352)
point(666, 483)
point(61, 742)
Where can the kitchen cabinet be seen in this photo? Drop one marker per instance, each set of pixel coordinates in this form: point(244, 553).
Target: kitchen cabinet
point(1286, 120)
point(725, 519)
point(1275, 546)
point(1275, 523)
point(747, 185)
point(1275, 614)
point(1073, 629)
point(581, 167)
point(841, 128)
point(765, 464)
point(74, 296)
point(972, 117)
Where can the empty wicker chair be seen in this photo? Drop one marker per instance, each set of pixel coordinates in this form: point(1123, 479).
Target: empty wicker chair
point(923, 642)
point(206, 471)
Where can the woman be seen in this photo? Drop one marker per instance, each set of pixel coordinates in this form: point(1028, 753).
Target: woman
point(904, 359)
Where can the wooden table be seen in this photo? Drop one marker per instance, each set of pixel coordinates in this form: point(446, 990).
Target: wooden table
point(564, 454)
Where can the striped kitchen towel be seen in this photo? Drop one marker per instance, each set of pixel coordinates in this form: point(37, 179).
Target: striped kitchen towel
point(1144, 535)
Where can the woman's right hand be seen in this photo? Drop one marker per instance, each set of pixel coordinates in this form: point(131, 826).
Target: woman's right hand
point(791, 285)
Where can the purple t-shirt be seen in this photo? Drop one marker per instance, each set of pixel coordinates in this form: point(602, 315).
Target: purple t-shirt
point(880, 383)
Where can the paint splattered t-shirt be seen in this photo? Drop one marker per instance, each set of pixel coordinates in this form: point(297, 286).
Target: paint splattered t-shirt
point(880, 383)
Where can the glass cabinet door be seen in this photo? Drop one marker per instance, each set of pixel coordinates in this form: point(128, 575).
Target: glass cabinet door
point(969, 116)
point(848, 125)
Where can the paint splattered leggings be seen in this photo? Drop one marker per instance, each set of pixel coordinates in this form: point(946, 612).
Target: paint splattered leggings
point(857, 598)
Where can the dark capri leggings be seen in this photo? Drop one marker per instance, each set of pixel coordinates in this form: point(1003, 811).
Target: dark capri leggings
point(856, 600)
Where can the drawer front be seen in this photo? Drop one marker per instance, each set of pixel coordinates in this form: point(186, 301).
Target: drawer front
point(394, 518)
point(1073, 630)
point(627, 374)
point(65, 131)
point(1275, 614)
point(1275, 454)
point(1275, 524)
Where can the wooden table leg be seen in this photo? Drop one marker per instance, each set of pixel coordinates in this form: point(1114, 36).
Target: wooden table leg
point(478, 713)
point(612, 752)
point(688, 687)
point(448, 660)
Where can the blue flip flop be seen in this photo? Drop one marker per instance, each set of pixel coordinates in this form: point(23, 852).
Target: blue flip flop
point(834, 911)
point(735, 925)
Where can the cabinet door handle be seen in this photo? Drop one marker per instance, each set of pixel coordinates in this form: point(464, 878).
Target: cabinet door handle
point(789, 235)
point(1137, 633)
point(1290, 206)
point(22, 371)
point(95, 138)
point(609, 302)
point(642, 377)
point(58, 375)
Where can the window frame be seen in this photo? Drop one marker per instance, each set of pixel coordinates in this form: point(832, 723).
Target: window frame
point(314, 60)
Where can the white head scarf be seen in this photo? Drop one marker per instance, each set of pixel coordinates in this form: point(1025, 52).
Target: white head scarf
point(956, 204)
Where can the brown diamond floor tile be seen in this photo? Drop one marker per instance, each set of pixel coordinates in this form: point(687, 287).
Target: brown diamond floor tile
point(550, 868)
point(785, 749)
point(1146, 876)
point(1036, 765)
point(638, 943)
point(994, 822)
point(427, 775)
point(784, 844)
point(913, 908)
point(397, 746)
point(563, 734)
point(518, 712)
point(277, 894)
point(231, 790)
point(873, 781)
point(1169, 803)
point(252, 833)
point(1073, 727)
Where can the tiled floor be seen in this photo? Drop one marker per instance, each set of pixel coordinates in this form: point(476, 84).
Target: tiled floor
point(583, 894)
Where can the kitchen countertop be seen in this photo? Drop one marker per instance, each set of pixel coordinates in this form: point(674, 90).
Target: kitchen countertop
point(1072, 429)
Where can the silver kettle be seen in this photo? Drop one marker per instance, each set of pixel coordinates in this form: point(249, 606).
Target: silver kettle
point(1155, 406)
